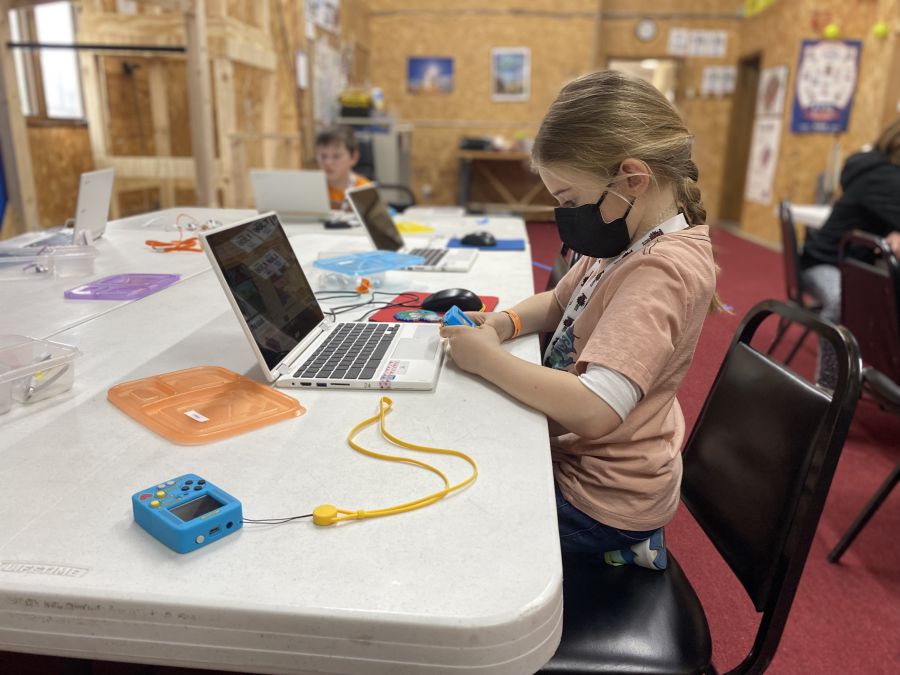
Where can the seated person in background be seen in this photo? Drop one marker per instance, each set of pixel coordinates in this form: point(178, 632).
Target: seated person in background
point(870, 202)
point(337, 152)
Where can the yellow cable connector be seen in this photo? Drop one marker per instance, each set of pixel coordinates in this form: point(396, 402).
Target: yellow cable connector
point(326, 514)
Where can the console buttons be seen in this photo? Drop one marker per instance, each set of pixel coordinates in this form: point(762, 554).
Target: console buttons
point(161, 485)
point(198, 487)
point(170, 482)
point(201, 482)
point(185, 488)
point(154, 503)
point(160, 493)
point(145, 496)
point(188, 482)
point(200, 539)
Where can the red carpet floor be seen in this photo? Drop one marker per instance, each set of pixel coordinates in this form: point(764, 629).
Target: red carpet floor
point(846, 617)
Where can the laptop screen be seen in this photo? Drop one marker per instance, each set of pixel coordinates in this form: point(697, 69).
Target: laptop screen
point(372, 212)
point(268, 285)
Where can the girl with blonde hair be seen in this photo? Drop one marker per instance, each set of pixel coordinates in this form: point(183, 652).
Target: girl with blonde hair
point(625, 319)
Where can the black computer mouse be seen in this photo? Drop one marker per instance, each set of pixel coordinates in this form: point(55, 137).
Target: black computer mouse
point(481, 238)
point(443, 300)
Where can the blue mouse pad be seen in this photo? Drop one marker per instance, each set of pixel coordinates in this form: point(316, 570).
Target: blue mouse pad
point(502, 245)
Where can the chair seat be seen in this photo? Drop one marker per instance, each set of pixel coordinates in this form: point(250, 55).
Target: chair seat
point(630, 620)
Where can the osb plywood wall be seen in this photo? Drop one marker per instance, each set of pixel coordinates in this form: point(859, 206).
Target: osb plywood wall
point(776, 34)
point(59, 155)
point(706, 116)
point(566, 38)
point(560, 35)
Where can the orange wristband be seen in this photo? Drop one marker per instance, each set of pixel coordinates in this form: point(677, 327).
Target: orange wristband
point(517, 322)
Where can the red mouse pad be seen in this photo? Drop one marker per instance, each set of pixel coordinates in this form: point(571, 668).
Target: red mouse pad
point(412, 299)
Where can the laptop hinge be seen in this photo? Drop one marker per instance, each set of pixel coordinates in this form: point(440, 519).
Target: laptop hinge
point(288, 364)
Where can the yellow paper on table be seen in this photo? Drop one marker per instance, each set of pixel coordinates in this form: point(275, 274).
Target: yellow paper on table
point(412, 227)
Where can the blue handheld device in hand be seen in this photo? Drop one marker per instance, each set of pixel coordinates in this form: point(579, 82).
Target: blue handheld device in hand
point(456, 317)
point(187, 513)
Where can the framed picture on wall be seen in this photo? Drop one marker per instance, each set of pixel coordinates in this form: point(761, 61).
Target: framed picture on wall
point(429, 74)
point(510, 73)
point(770, 96)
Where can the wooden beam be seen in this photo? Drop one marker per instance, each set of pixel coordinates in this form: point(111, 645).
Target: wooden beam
point(270, 117)
point(94, 110)
point(226, 118)
point(153, 167)
point(200, 103)
point(14, 142)
point(159, 115)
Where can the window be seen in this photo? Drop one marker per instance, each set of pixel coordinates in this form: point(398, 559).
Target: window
point(49, 79)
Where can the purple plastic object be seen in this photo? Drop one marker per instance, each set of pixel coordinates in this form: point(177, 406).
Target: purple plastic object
point(122, 287)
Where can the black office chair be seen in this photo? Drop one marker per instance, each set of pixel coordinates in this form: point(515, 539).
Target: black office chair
point(870, 309)
point(397, 196)
point(757, 468)
point(793, 279)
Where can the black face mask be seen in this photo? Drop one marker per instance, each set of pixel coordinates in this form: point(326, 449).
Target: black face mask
point(582, 229)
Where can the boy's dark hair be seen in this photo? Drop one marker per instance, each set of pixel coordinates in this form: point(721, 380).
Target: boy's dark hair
point(338, 136)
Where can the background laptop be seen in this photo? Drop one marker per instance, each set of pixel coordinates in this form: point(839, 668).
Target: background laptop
point(370, 209)
point(297, 196)
point(294, 344)
point(91, 212)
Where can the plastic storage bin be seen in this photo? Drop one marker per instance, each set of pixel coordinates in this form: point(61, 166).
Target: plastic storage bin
point(32, 370)
point(73, 261)
point(20, 264)
point(349, 271)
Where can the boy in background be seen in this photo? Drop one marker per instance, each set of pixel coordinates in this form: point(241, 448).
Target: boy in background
point(337, 152)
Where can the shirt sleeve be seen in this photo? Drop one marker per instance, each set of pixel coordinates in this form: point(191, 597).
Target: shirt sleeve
point(642, 323)
point(619, 393)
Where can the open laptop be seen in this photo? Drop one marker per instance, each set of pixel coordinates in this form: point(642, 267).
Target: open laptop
point(294, 344)
point(370, 209)
point(91, 212)
point(298, 196)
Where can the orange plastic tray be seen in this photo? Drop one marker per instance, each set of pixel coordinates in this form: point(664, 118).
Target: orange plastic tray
point(202, 404)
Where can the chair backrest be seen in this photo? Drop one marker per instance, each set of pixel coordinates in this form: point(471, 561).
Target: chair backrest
point(759, 462)
point(790, 253)
point(870, 301)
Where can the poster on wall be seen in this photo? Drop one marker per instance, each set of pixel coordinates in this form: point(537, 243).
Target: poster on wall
point(510, 73)
point(329, 80)
point(763, 159)
point(324, 13)
point(826, 81)
point(772, 89)
point(429, 75)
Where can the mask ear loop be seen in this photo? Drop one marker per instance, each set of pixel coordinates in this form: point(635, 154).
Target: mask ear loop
point(327, 514)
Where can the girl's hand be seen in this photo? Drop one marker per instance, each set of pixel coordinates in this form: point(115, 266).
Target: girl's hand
point(470, 347)
point(500, 322)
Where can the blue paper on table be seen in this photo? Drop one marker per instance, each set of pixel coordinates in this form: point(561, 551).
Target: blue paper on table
point(502, 245)
point(368, 262)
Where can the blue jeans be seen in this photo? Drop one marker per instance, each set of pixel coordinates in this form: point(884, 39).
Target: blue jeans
point(581, 535)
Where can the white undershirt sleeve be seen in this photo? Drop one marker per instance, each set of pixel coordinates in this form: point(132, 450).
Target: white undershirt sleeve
point(620, 393)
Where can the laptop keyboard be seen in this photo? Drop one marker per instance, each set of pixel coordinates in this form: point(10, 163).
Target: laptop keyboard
point(353, 352)
point(432, 255)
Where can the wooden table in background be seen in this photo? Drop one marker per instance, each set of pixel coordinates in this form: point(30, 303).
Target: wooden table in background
point(503, 181)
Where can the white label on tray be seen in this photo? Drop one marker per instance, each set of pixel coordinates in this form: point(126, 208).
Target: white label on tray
point(194, 415)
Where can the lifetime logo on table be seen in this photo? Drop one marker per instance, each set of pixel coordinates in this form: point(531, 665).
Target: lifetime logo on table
point(187, 513)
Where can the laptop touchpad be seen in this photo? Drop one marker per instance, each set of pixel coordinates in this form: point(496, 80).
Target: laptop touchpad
point(410, 349)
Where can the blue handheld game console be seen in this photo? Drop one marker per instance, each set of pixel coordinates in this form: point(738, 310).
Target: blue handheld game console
point(455, 317)
point(187, 513)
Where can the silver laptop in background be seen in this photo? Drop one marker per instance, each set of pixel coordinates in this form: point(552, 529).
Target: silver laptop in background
point(91, 213)
point(298, 196)
point(293, 342)
point(382, 230)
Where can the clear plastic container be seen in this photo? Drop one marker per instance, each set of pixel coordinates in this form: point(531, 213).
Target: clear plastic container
point(364, 270)
point(32, 370)
point(21, 264)
point(73, 261)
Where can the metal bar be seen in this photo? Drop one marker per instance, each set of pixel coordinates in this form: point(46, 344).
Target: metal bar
point(97, 47)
